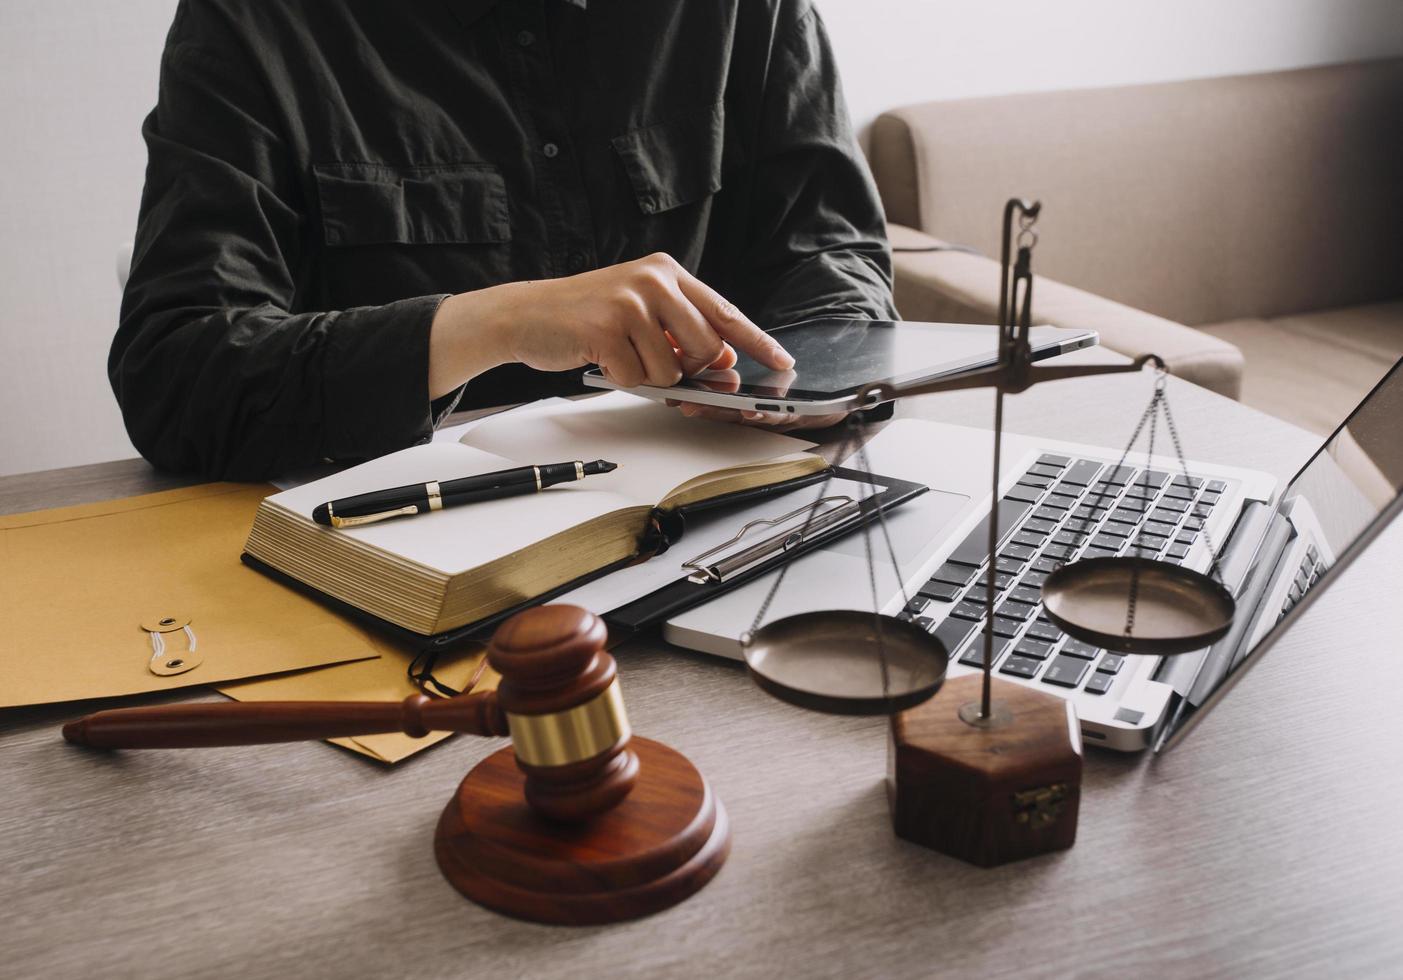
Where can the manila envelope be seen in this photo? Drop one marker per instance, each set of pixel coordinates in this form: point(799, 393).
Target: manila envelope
point(78, 583)
point(383, 679)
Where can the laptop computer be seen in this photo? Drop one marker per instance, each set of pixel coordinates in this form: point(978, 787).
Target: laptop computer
point(1274, 551)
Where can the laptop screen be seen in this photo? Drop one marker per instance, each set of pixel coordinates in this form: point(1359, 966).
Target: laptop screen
point(1334, 506)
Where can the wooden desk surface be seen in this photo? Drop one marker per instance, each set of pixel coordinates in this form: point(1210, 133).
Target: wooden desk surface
point(1268, 844)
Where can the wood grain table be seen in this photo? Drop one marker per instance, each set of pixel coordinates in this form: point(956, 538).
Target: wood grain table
point(1269, 844)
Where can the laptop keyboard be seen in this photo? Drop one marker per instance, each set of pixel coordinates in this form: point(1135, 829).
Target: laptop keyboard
point(1306, 575)
point(1054, 514)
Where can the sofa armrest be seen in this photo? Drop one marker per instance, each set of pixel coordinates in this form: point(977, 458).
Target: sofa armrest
point(934, 281)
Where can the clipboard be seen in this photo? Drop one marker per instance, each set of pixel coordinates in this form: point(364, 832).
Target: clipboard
point(761, 546)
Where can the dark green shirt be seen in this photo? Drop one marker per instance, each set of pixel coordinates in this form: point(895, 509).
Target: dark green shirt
point(322, 174)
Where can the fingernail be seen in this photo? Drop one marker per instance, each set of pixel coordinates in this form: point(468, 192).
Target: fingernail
point(783, 358)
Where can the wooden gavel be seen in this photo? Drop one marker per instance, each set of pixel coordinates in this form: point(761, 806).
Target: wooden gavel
point(558, 700)
point(614, 827)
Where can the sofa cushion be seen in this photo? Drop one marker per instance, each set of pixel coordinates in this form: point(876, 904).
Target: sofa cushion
point(1313, 368)
point(1200, 201)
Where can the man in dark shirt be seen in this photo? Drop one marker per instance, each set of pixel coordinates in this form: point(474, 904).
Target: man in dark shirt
point(359, 214)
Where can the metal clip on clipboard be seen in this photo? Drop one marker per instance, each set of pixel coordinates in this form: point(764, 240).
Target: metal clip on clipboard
point(848, 508)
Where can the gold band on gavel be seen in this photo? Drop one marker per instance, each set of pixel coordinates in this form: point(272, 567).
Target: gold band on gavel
point(563, 737)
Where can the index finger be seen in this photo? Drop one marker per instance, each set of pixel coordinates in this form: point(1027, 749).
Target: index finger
point(732, 325)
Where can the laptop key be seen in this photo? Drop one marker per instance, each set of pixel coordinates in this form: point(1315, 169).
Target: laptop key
point(1162, 528)
point(1217, 486)
point(1023, 593)
point(954, 574)
point(1014, 610)
point(1059, 501)
point(974, 656)
point(1178, 551)
point(1003, 626)
point(1098, 553)
point(969, 609)
point(1107, 542)
point(1029, 538)
point(1186, 481)
point(1062, 551)
point(974, 549)
point(1010, 564)
point(1120, 475)
point(1194, 523)
point(1083, 471)
point(1033, 579)
point(1052, 459)
point(1048, 514)
point(1180, 491)
point(1099, 683)
point(1035, 479)
point(1025, 667)
point(1156, 478)
point(1045, 565)
point(1019, 552)
point(1037, 649)
point(917, 605)
point(1065, 672)
point(1036, 525)
point(952, 632)
point(1043, 630)
point(1111, 663)
point(941, 591)
point(1023, 493)
point(1118, 529)
point(1080, 650)
point(1139, 492)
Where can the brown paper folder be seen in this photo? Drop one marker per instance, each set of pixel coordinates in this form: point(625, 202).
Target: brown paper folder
point(78, 583)
point(385, 679)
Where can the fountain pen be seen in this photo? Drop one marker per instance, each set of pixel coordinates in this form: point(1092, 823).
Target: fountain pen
point(419, 498)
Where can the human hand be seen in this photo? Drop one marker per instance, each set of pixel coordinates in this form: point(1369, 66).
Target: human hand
point(648, 321)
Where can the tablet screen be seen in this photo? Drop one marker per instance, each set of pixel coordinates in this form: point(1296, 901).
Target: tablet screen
point(836, 358)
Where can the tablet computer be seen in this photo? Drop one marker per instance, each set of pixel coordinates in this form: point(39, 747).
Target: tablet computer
point(835, 358)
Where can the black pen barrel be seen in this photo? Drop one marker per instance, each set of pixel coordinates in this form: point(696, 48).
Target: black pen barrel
point(489, 486)
point(375, 502)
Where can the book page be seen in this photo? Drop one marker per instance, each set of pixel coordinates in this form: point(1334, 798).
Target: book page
point(455, 539)
point(657, 448)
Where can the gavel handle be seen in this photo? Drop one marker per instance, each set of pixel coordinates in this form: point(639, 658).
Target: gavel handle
point(183, 726)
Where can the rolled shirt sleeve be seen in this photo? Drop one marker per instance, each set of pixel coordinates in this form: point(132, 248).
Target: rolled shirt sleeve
point(213, 371)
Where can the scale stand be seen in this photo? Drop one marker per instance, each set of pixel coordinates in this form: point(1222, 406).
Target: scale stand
point(988, 770)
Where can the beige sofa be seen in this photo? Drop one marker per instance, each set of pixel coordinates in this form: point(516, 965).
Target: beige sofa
point(1264, 210)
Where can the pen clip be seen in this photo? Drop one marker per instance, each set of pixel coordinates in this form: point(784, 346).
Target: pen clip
point(784, 540)
point(341, 522)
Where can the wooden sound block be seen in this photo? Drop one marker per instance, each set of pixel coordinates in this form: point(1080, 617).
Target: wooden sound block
point(660, 845)
point(986, 795)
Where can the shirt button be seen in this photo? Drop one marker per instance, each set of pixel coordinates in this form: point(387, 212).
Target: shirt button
point(551, 150)
point(525, 39)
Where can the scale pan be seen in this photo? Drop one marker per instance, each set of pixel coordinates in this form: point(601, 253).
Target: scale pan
point(1176, 610)
point(832, 662)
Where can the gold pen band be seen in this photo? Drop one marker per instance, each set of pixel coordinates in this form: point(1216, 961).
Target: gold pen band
point(579, 470)
point(435, 495)
point(537, 471)
point(579, 733)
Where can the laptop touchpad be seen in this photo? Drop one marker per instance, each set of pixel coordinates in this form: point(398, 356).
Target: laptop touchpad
point(915, 528)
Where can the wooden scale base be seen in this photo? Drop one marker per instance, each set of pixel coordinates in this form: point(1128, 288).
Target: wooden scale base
point(659, 846)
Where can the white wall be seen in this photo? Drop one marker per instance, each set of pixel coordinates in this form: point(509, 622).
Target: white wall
point(76, 78)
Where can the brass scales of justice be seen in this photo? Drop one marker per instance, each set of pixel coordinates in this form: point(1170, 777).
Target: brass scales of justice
point(990, 778)
point(580, 822)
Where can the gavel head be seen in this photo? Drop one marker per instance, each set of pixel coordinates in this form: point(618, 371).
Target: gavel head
point(560, 694)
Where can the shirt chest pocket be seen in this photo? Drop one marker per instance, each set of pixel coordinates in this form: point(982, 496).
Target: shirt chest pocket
point(676, 162)
point(443, 204)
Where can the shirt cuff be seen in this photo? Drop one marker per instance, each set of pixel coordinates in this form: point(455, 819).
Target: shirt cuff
point(375, 389)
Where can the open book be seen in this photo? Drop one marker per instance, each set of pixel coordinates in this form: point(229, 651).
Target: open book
point(445, 569)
